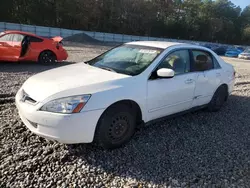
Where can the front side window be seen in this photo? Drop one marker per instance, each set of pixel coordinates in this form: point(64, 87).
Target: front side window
point(126, 59)
point(18, 38)
point(202, 60)
point(178, 61)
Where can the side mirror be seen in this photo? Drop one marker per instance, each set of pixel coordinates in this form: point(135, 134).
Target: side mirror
point(165, 73)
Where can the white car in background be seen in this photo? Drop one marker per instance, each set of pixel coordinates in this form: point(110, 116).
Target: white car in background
point(106, 98)
point(245, 54)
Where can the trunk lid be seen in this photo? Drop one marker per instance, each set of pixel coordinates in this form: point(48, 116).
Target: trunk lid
point(57, 39)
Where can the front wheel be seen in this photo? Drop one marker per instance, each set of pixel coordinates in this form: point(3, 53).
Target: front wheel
point(218, 99)
point(47, 58)
point(115, 127)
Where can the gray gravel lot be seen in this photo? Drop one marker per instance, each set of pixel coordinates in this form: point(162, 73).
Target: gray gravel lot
point(199, 149)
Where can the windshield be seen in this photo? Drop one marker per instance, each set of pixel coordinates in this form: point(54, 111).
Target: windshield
point(126, 59)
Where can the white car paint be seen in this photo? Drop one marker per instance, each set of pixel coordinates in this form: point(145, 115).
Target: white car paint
point(156, 98)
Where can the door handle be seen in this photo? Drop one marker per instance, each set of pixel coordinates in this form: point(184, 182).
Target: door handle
point(189, 81)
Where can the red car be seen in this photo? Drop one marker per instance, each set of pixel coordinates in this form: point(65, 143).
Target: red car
point(23, 46)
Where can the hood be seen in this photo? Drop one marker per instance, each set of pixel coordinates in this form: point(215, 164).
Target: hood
point(57, 39)
point(73, 79)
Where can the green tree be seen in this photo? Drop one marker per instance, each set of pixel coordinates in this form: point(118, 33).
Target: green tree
point(206, 20)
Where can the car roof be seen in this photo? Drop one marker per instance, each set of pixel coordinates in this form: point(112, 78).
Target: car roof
point(20, 32)
point(162, 44)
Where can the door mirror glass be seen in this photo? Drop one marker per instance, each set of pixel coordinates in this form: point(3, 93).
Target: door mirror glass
point(165, 73)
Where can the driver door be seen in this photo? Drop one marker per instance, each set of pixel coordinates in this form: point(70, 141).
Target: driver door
point(17, 45)
point(171, 95)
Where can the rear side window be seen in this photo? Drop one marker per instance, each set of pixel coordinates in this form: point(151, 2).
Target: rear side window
point(216, 63)
point(202, 60)
point(35, 39)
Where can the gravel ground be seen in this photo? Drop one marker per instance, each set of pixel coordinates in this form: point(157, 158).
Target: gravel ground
point(199, 149)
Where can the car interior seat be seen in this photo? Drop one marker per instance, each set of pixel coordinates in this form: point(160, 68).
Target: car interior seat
point(179, 65)
point(201, 63)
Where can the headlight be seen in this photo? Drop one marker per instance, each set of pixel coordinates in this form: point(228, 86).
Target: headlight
point(67, 105)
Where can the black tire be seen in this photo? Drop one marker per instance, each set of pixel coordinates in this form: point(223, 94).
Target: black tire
point(47, 58)
point(115, 127)
point(218, 100)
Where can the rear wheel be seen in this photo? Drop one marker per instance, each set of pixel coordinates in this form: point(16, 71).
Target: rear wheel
point(47, 58)
point(115, 127)
point(218, 99)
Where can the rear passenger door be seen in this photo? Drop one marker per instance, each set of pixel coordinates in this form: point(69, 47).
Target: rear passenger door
point(208, 76)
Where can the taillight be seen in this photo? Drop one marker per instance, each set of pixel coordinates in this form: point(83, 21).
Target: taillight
point(57, 46)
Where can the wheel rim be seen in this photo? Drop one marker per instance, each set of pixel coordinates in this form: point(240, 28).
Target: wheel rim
point(118, 128)
point(48, 58)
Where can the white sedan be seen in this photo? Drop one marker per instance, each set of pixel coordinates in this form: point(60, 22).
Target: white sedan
point(105, 99)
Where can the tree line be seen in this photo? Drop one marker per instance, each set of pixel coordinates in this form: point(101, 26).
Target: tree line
point(202, 20)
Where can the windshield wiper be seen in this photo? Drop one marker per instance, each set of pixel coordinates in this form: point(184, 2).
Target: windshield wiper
point(106, 68)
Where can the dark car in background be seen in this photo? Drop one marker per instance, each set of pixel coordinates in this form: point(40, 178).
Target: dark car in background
point(233, 52)
point(220, 50)
point(224, 50)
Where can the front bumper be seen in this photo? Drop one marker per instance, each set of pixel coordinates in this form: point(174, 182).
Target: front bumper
point(64, 128)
